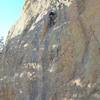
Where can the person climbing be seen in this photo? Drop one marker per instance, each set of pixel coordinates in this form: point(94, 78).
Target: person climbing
point(52, 19)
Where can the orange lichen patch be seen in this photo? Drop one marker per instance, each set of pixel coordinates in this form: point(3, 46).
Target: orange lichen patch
point(94, 74)
point(66, 60)
point(67, 51)
point(45, 30)
point(7, 94)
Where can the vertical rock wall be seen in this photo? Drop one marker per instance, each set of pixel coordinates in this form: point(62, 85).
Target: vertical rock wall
point(60, 62)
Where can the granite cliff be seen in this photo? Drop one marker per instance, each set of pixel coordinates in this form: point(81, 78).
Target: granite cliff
point(53, 52)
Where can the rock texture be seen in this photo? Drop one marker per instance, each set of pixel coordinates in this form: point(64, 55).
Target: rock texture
point(53, 62)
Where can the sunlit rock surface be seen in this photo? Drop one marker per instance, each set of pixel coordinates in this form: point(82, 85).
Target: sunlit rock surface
point(53, 62)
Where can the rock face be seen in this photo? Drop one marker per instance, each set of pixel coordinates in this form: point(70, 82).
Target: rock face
point(53, 52)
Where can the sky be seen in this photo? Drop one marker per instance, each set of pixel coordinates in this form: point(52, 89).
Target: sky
point(10, 11)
